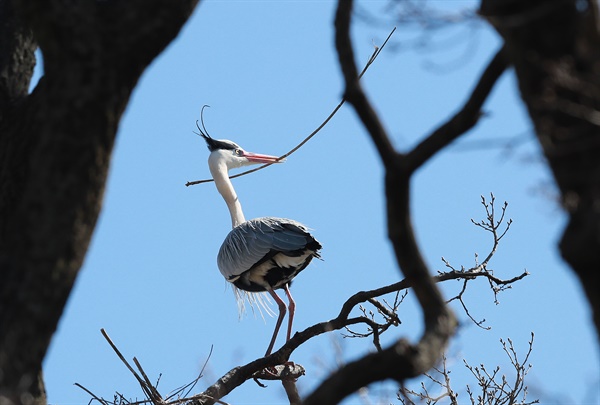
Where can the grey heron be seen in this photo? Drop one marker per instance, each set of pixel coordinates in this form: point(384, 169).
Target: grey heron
point(262, 254)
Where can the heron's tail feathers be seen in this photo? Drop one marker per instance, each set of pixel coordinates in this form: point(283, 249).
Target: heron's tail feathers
point(258, 300)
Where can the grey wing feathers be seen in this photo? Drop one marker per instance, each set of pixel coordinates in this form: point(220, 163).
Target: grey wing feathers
point(257, 240)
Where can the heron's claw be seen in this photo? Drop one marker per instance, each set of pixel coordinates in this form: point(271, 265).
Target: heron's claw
point(286, 371)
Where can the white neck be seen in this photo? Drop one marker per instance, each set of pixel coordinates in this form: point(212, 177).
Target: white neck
point(221, 178)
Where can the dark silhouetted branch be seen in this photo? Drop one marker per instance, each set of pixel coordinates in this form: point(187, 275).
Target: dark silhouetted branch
point(465, 119)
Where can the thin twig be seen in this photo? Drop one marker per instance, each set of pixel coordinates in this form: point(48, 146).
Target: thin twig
point(101, 400)
point(189, 386)
point(151, 391)
point(110, 342)
point(374, 56)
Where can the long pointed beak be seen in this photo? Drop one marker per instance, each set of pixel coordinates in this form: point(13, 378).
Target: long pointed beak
point(258, 158)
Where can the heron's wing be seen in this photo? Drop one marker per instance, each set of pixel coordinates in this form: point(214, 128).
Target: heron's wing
point(257, 240)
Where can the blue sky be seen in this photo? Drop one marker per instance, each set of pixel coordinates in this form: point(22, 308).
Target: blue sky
point(270, 74)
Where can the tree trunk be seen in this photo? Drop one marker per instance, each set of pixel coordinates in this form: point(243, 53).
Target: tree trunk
point(55, 148)
point(554, 47)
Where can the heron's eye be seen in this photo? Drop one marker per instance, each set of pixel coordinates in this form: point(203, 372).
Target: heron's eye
point(238, 152)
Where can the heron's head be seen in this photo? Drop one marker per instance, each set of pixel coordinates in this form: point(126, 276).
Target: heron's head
point(229, 153)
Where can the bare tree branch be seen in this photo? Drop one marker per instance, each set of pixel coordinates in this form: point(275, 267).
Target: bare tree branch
point(240, 374)
point(277, 365)
point(401, 360)
point(353, 92)
point(464, 119)
point(439, 321)
point(495, 389)
point(292, 391)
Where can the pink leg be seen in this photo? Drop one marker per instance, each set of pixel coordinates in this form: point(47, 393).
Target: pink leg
point(292, 308)
point(282, 310)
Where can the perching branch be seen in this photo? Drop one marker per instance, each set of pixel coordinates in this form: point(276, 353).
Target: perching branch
point(255, 369)
point(277, 363)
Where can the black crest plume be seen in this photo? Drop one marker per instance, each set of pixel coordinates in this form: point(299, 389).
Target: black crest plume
point(210, 142)
point(213, 144)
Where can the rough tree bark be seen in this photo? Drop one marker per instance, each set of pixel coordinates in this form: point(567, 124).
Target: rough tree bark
point(55, 148)
point(554, 47)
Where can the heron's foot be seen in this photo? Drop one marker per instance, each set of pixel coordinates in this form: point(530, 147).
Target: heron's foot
point(280, 370)
point(272, 370)
point(286, 371)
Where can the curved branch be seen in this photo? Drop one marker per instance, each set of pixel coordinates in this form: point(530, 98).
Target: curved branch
point(463, 120)
point(255, 369)
point(354, 93)
point(238, 375)
point(401, 360)
point(406, 360)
